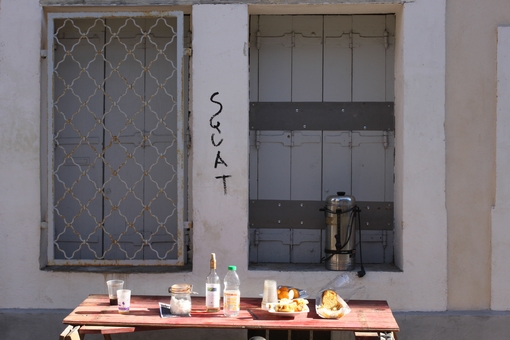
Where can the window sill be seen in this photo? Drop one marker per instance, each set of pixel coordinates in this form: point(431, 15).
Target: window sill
point(120, 269)
point(319, 267)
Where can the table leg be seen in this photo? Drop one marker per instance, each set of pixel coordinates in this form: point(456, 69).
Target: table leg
point(70, 333)
point(65, 332)
point(106, 336)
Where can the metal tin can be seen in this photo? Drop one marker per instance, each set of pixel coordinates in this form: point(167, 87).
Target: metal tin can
point(340, 232)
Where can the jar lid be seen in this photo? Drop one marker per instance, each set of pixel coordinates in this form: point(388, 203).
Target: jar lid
point(181, 288)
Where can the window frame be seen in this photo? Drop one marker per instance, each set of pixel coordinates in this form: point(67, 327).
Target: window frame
point(47, 161)
point(265, 214)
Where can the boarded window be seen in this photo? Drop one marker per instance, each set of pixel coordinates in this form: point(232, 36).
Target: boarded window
point(321, 122)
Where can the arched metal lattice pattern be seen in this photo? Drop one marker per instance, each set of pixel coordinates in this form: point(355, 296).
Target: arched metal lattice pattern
point(116, 149)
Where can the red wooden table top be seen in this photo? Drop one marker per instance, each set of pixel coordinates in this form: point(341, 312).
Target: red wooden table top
point(365, 315)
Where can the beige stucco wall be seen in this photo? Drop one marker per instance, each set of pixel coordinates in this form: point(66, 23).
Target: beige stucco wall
point(471, 146)
point(445, 160)
point(500, 266)
point(418, 169)
point(219, 212)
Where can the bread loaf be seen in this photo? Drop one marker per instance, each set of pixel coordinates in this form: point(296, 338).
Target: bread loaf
point(330, 300)
point(332, 306)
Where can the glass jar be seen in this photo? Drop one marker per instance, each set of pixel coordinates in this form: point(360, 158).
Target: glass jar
point(180, 302)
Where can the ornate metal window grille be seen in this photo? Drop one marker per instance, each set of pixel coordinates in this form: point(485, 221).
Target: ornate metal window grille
point(115, 139)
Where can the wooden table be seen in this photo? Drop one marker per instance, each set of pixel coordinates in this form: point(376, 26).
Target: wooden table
point(95, 315)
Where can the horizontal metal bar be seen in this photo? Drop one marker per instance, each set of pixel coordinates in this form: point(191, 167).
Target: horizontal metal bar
point(287, 214)
point(350, 116)
point(105, 263)
point(107, 14)
point(376, 215)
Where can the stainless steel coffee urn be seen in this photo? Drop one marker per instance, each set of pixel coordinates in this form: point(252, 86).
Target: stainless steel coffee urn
point(340, 212)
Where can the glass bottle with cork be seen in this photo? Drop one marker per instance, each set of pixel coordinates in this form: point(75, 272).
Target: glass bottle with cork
point(212, 288)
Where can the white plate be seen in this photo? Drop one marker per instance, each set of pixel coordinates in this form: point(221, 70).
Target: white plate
point(304, 311)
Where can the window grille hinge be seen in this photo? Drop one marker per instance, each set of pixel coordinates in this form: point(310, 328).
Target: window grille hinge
point(188, 231)
point(188, 51)
point(44, 54)
point(188, 39)
point(257, 139)
point(385, 140)
point(188, 139)
point(187, 238)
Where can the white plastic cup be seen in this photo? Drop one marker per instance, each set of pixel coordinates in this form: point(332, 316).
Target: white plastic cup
point(113, 286)
point(124, 297)
point(270, 293)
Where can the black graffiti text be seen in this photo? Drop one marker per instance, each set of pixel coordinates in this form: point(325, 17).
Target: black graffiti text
point(215, 123)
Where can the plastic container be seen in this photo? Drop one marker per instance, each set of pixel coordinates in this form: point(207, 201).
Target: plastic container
point(212, 288)
point(231, 293)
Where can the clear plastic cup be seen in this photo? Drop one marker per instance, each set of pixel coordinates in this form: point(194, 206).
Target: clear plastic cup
point(124, 297)
point(113, 286)
point(270, 293)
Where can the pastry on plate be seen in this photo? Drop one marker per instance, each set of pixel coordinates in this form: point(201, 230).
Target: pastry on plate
point(290, 306)
point(286, 292)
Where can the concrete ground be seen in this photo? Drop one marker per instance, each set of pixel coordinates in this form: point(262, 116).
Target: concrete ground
point(46, 324)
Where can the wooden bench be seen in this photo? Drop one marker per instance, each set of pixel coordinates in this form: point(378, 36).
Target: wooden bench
point(79, 332)
point(374, 336)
